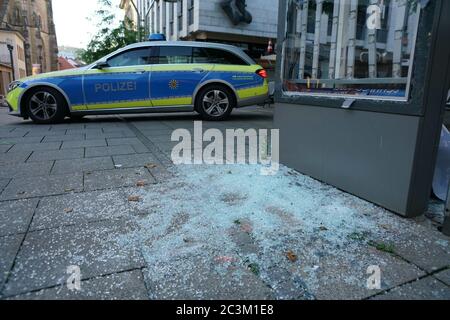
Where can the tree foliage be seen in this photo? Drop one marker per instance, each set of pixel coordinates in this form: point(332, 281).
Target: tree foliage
point(109, 36)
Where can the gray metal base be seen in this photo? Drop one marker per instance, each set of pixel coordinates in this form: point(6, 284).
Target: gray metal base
point(364, 153)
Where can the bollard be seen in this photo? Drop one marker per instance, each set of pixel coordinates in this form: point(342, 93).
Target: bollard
point(446, 225)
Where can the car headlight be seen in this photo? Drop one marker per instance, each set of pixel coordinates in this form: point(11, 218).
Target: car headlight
point(13, 85)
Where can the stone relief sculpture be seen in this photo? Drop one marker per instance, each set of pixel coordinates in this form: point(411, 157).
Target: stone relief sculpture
point(236, 11)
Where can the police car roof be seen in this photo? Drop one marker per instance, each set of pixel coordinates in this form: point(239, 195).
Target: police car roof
point(182, 43)
point(231, 48)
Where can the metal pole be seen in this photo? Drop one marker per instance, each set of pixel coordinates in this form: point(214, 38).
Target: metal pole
point(11, 48)
point(446, 225)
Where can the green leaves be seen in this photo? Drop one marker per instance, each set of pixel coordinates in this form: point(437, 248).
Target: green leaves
point(108, 38)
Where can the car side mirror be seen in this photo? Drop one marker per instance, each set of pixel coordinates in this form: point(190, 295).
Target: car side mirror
point(101, 64)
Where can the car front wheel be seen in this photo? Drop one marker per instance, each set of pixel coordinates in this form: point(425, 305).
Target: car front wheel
point(215, 103)
point(46, 105)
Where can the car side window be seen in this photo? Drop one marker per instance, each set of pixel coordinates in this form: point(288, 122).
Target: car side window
point(133, 57)
point(218, 56)
point(175, 55)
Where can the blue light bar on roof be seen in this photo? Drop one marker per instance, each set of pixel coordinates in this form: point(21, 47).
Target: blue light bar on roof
point(157, 37)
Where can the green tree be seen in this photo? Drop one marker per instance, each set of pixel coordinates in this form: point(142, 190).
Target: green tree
point(108, 37)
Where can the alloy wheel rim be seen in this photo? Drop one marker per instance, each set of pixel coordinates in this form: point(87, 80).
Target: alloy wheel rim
point(216, 103)
point(43, 105)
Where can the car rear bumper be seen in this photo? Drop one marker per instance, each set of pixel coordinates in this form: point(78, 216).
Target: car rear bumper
point(256, 100)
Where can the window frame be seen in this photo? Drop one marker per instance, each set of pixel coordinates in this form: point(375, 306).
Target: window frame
point(148, 48)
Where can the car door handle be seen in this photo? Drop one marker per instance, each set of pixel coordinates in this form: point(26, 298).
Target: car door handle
point(140, 71)
point(198, 70)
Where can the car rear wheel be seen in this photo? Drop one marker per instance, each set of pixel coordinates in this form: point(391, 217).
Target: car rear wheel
point(46, 105)
point(215, 103)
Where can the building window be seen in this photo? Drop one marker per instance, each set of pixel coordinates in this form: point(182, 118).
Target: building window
point(21, 53)
point(361, 48)
point(171, 19)
point(180, 15)
point(158, 18)
point(190, 12)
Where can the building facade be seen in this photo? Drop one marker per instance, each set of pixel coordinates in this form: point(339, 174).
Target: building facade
point(17, 69)
point(247, 24)
point(33, 20)
point(130, 11)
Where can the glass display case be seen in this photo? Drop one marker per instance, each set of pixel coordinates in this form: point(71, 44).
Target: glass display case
point(353, 49)
point(361, 90)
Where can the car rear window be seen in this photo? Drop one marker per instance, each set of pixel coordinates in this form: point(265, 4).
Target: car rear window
point(216, 56)
point(175, 55)
point(186, 55)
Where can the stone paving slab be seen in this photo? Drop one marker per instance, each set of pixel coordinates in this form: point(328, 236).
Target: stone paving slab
point(9, 246)
point(121, 128)
point(48, 133)
point(98, 131)
point(109, 151)
point(82, 165)
point(444, 276)
point(117, 178)
point(425, 289)
point(347, 279)
point(66, 126)
point(26, 169)
point(11, 134)
point(157, 133)
point(20, 188)
point(4, 183)
point(45, 255)
point(430, 251)
point(30, 139)
point(134, 160)
point(112, 123)
point(111, 135)
point(203, 283)
point(14, 157)
point(119, 286)
point(64, 138)
point(134, 142)
point(84, 143)
point(64, 154)
point(15, 216)
point(36, 146)
point(5, 147)
point(79, 208)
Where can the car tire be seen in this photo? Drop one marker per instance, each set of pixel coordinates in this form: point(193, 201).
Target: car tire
point(215, 103)
point(46, 106)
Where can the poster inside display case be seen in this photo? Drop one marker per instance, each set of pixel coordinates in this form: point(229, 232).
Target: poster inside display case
point(359, 49)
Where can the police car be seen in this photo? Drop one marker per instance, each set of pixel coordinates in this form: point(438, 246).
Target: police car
point(162, 76)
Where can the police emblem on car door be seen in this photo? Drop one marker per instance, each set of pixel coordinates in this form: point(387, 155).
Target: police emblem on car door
point(175, 78)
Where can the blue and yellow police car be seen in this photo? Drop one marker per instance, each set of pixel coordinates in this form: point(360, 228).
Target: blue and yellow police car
point(211, 79)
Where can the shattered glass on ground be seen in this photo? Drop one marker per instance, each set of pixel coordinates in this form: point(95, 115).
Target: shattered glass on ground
point(227, 232)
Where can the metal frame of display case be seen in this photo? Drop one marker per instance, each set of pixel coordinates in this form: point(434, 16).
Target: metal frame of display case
point(414, 140)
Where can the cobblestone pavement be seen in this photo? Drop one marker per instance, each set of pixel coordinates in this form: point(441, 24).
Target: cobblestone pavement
point(103, 195)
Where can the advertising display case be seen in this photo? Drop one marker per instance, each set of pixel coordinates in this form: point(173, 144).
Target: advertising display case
point(361, 88)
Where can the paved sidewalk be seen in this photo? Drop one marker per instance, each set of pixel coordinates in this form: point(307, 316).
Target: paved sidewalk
point(102, 194)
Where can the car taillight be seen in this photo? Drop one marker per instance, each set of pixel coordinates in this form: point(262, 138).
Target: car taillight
point(262, 73)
